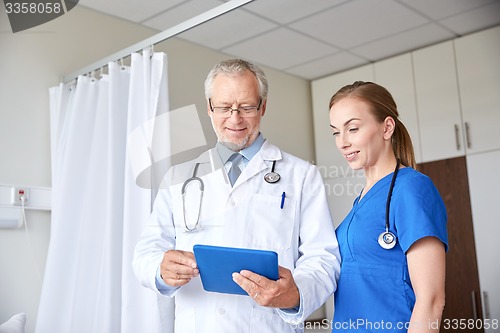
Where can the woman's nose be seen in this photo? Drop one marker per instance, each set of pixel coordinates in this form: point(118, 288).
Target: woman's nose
point(342, 141)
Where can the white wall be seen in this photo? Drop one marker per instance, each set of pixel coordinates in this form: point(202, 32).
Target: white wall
point(34, 60)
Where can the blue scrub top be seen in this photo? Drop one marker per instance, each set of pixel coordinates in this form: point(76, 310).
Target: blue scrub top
point(374, 292)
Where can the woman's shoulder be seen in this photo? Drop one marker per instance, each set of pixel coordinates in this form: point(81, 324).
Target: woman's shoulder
point(414, 181)
point(411, 175)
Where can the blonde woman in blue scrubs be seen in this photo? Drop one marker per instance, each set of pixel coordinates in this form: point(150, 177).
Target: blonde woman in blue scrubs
point(392, 277)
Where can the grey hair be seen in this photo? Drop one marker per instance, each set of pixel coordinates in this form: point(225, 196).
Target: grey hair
point(236, 66)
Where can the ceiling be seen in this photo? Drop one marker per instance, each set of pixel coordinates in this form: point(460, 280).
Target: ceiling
point(313, 38)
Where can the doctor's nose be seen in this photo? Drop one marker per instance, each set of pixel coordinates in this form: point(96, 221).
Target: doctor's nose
point(235, 116)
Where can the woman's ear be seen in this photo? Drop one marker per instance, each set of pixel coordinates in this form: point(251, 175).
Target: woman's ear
point(389, 127)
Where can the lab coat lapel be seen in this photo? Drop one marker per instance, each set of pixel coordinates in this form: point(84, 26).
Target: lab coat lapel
point(259, 162)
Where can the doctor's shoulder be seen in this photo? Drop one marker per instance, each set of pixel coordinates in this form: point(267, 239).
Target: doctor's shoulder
point(295, 160)
point(305, 176)
point(299, 165)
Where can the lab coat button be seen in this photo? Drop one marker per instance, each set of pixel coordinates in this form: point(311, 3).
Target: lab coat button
point(222, 311)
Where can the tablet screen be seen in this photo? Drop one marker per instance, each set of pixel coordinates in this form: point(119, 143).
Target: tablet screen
point(217, 265)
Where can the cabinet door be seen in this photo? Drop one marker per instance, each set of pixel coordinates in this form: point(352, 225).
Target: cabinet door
point(478, 65)
point(438, 102)
point(396, 75)
point(484, 183)
point(327, 155)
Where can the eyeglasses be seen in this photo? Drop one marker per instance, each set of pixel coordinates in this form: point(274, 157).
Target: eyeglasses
point(243, 111)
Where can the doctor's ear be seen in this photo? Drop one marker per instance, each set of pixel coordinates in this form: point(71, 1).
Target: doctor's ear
point(263, 108)
point(209, 107)
point(389, 127)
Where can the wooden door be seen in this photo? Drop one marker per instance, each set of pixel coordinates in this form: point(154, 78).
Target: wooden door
point(463, 298)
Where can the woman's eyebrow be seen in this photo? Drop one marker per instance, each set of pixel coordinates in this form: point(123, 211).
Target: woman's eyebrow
point(346, 123)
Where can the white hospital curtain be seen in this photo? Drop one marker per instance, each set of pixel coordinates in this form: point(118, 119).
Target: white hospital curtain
point(98, 211)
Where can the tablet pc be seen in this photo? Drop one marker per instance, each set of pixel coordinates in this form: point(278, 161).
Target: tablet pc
point(217, 265)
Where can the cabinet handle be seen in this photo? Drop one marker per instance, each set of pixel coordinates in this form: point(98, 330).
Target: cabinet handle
point(457, 136)
point(486, 305)
point(467, 136)
point(474, 309)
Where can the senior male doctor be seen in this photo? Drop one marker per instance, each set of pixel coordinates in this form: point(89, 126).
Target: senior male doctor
point(289, 216)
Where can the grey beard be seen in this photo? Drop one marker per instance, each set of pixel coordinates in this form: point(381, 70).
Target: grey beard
point(233, 146)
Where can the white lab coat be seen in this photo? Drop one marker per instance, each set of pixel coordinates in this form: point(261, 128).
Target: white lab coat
point(247, 215)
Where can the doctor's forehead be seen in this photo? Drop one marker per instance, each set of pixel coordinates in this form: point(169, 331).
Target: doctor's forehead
point(243, 86)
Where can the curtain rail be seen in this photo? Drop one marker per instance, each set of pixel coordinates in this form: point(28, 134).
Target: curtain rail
point(164, 35)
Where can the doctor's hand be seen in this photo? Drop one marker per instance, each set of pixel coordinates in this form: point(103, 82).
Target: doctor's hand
point(178, 267)
point(282, 293)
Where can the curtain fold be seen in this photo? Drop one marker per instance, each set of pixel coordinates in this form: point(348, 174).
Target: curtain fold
point(98, 211)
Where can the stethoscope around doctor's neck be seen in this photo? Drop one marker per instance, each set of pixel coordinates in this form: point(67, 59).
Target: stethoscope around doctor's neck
point(270, 177)
point(387, 240)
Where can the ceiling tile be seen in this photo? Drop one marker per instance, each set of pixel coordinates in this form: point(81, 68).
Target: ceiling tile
point(180, 14)
point(313, 38)
point(445, 8)
point(227, 29)
point(132, 10)
point(403, 42)
point(286, 11)
point(357, 22)
point(328, 65)
point(281, 48)
point(474, 20)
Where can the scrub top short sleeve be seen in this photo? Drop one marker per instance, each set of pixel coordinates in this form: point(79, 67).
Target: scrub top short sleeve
point(418, 210)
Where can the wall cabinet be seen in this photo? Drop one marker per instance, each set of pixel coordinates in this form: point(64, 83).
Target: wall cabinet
point(478, 68)
point(484, 183)
point(457, 88)
point(396, 75)
point(438, 104)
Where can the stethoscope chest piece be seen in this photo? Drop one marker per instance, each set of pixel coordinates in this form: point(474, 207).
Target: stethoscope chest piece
point(387, 240)
point(272, 177)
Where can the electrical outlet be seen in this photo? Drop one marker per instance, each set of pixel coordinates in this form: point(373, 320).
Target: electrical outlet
point(18, 192)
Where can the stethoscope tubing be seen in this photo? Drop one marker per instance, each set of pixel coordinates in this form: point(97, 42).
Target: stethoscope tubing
point(271, 178)
point(183, 193)
point(387, 240)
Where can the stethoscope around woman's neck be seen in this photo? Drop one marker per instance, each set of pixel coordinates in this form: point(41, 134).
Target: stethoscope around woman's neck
point(387, 239)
